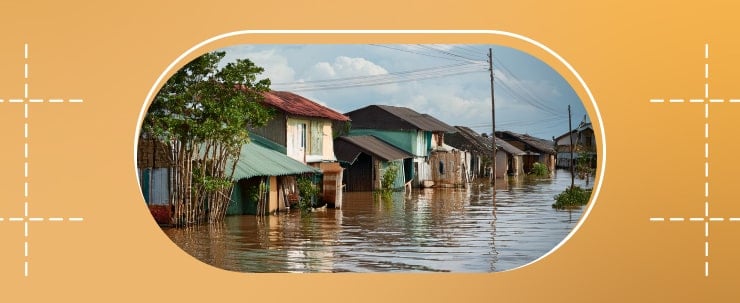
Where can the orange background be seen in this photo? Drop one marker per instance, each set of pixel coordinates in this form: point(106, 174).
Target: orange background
point(110, 55)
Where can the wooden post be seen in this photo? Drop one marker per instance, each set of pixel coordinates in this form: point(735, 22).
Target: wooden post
point(570, 134)
point(493, 122)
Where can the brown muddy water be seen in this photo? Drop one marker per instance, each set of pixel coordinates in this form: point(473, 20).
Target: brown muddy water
point(427, 230)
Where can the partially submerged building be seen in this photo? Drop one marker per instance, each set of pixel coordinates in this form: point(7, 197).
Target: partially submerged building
point(535, 149)
point(584, 145)
point(265, 179)
point(366, 159)
point(509, 159)
point(305, 129)
point(418, 134)
point(479, 147)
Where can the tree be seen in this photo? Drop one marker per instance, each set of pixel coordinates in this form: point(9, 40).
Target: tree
point(202, 114)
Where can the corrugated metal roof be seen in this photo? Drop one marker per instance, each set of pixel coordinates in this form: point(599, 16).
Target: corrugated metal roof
point(509, 148)
point(300, 106)
point(347, 148)
point(257, 160)
point(467, 139)
point(370, 117)
point(542, 145)
point(582, 127)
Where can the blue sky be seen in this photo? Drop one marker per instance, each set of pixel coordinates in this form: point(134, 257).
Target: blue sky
point(450, 82)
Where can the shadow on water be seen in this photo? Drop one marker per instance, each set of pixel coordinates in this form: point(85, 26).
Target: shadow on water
point(425, 230)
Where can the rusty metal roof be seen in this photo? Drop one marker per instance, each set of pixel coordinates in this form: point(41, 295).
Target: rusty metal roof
point(347, 148)
point(500, 143)
point(300, 106)
point(541, 145)
point(469, 140)
point(396, 118)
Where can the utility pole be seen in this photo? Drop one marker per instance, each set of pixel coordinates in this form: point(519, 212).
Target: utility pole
point(570, 134)
point(493, 123)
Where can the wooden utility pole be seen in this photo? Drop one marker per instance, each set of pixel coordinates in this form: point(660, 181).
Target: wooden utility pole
point(493, 123)
point(570, 134)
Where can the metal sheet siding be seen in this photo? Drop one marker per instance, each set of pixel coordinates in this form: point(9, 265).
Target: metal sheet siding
point(155, 185)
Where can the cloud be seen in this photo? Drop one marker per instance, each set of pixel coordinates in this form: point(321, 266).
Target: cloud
point(277, 67)
point(352, 69)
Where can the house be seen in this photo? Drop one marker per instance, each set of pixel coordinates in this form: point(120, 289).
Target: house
point(366, 159)
point(265, 179)
point(509, 159)
point(259, 167)
point(584, 144)
point(535, 149)
point(418, 134)
point(305, 129)
point(480, 149)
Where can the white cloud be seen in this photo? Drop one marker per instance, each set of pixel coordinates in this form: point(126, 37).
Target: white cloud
point(277, 67)
point(344, 67)
point(354, 68)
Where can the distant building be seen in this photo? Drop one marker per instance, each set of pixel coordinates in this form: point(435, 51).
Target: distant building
point(535, 149)
point(584, 144)
point(509, 159)
point(479, 147)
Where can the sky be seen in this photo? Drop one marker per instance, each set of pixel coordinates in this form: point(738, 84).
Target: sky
point(449, 82)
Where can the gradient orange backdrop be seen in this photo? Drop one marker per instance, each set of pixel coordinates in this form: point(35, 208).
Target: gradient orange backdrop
point(81, 154)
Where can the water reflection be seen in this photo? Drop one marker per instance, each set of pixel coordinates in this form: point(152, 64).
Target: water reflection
point(459, 230)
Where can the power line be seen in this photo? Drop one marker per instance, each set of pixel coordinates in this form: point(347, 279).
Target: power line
point(389, 78)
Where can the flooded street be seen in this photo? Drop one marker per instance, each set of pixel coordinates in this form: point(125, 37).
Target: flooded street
point(427, 230)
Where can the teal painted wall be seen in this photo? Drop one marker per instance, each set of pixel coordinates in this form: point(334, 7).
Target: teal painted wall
point(235, 206)
point(405, 140)
point(399, 181)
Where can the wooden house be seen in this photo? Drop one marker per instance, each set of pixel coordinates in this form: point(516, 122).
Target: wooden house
point(417, 134)
point(584, 144)
point(535, 149)
point(305, 129)
point(366, 158)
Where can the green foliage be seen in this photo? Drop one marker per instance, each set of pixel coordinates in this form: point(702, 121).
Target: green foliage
point(389, 176)
point(540, 170)
point(571, 198)
point(583, 166)
point(308, 191)
point(202, 102)
point(203, 113)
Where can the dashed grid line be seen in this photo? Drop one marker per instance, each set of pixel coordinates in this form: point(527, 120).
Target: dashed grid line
point(706, 219)
point(26, 219)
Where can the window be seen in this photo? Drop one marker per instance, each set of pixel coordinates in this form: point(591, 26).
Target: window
point(317, 138)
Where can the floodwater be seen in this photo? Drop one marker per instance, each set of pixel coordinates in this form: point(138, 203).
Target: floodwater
point(427, 230)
